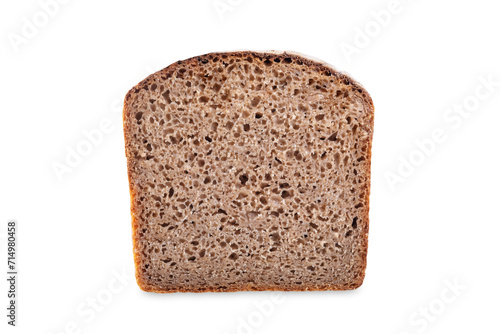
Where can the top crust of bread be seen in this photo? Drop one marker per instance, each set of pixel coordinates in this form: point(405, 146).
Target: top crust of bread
point(296, 57)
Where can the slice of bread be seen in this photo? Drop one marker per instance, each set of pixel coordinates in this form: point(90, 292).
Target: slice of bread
point(249, 171)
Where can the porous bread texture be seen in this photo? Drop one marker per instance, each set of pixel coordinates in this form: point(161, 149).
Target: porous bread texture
point(249, 171)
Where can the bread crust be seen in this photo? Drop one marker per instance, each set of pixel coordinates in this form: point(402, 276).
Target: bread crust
point(296, 58)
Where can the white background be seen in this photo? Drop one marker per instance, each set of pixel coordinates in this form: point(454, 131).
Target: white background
point(438, 225)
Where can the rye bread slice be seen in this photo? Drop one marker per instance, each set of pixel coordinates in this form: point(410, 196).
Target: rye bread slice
point(249, 171)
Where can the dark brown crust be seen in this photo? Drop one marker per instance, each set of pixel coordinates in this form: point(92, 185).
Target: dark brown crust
point(323, 68)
